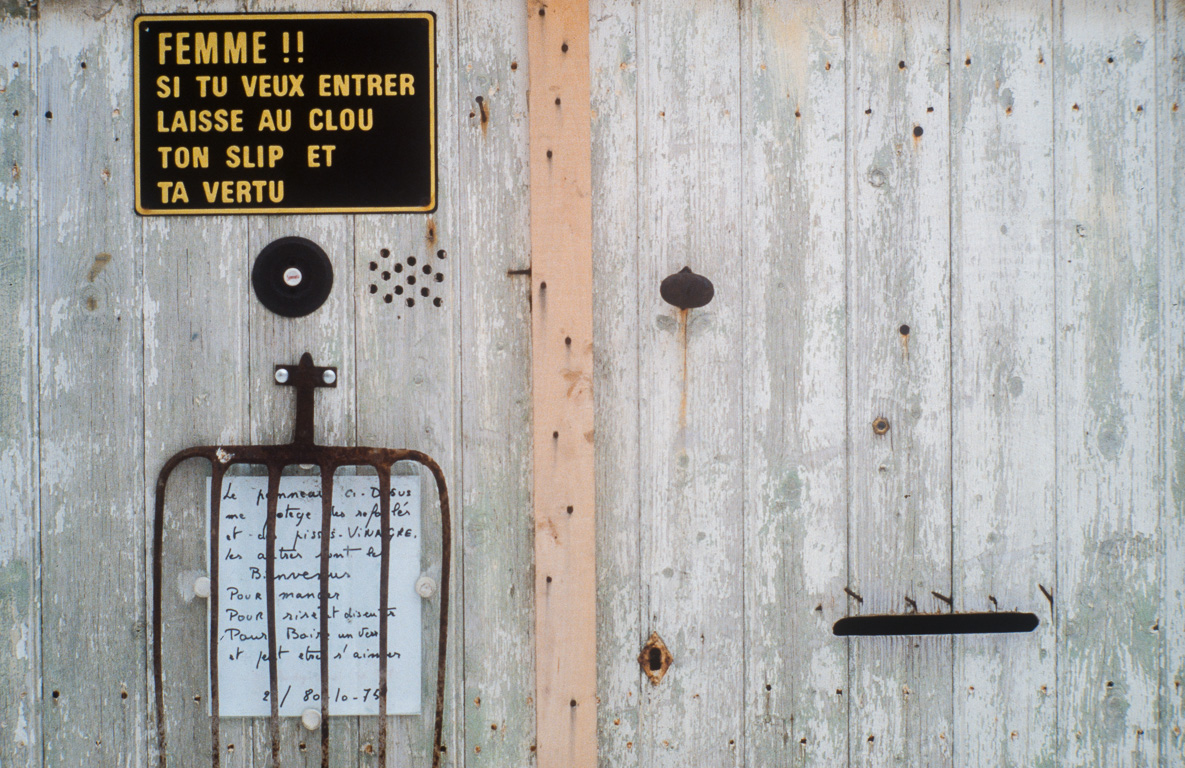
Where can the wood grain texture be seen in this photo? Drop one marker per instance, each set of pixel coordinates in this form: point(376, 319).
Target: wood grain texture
point(898, 275)
point(1108, 465)
point(195, 393)
point(1170, 164)
point(1035, 407)
point(621, 616)
point(690, 401)
point(1002, 357)
point(561, 383)
point(409, 386)
point(794, 265)
point(20, 618)
point(493, 238)
point(91, 414)
point(329, 335)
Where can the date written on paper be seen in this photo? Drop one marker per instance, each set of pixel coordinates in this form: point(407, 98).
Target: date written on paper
point(355, 542)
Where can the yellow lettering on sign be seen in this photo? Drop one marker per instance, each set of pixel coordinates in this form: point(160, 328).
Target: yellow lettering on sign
point(273, 85)
point(205, 48)
point(163, 45)
point(236, 192)
point(166, 88)
point(279, 120)
point(315, 151)
point(201, 121)
point(257, 47)
point(391, 84)
point(253, 157)
point(184, 157)
point(234, 47)
point(179, 195)
point(217, 84)
point(182, 47)
point(341, 120)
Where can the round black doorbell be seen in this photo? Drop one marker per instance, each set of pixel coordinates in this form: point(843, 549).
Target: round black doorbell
point(292, 276)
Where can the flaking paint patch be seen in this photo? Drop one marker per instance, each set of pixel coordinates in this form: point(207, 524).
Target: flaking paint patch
point(20, 733)
point(58, 313)
point(151, 310)
point(21, 646)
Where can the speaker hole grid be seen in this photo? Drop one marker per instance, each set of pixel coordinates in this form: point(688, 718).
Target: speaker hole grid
point(407, 269)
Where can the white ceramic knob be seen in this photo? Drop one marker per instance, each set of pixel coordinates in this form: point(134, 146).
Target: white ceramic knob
point(311, 719)
point(201, 587)
point(425, 587)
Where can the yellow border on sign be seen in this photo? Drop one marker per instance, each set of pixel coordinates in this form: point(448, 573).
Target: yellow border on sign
point(431, 18)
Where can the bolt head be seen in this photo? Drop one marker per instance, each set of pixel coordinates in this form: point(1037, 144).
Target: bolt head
point(311, 718)
point(201, 587)
point(281, 375)
point(426, 587)
point(329, 377)
point(292, 277)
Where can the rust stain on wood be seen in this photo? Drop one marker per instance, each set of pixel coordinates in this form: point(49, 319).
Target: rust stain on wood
point(101, 262)
point(655, 659)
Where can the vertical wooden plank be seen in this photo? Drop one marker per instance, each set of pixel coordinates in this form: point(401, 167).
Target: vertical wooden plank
point(409, 381)
point(92, 486)
point(196, 292)
point(1170, 164)
point(561, 382)
point(1003, 370)
point(329, 334)
point(690, 181)
point(898, 274)
point(493, 240)
point(1108, 376)
point(794, 366)
point(621, 619)
point(20, 619)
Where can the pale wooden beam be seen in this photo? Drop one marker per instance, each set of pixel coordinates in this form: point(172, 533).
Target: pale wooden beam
point(562, 370)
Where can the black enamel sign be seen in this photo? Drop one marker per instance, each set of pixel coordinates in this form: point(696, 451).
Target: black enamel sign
point(285, 113)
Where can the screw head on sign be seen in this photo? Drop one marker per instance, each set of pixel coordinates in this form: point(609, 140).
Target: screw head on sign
point(281, 375)
point(329, 377)
point(201, 587)
point(426, 587)
point(311, 718)
point(292, 277)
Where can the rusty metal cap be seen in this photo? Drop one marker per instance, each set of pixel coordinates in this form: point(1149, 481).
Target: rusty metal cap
point(686, 290)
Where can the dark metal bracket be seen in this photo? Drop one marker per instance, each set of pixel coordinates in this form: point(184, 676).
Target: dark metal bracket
point(995, 622)
point(306, 378)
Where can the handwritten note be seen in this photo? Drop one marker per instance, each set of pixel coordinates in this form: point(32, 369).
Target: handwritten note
point(355, 543)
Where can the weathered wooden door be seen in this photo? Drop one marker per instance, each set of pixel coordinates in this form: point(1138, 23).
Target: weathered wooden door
point(943, 371)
